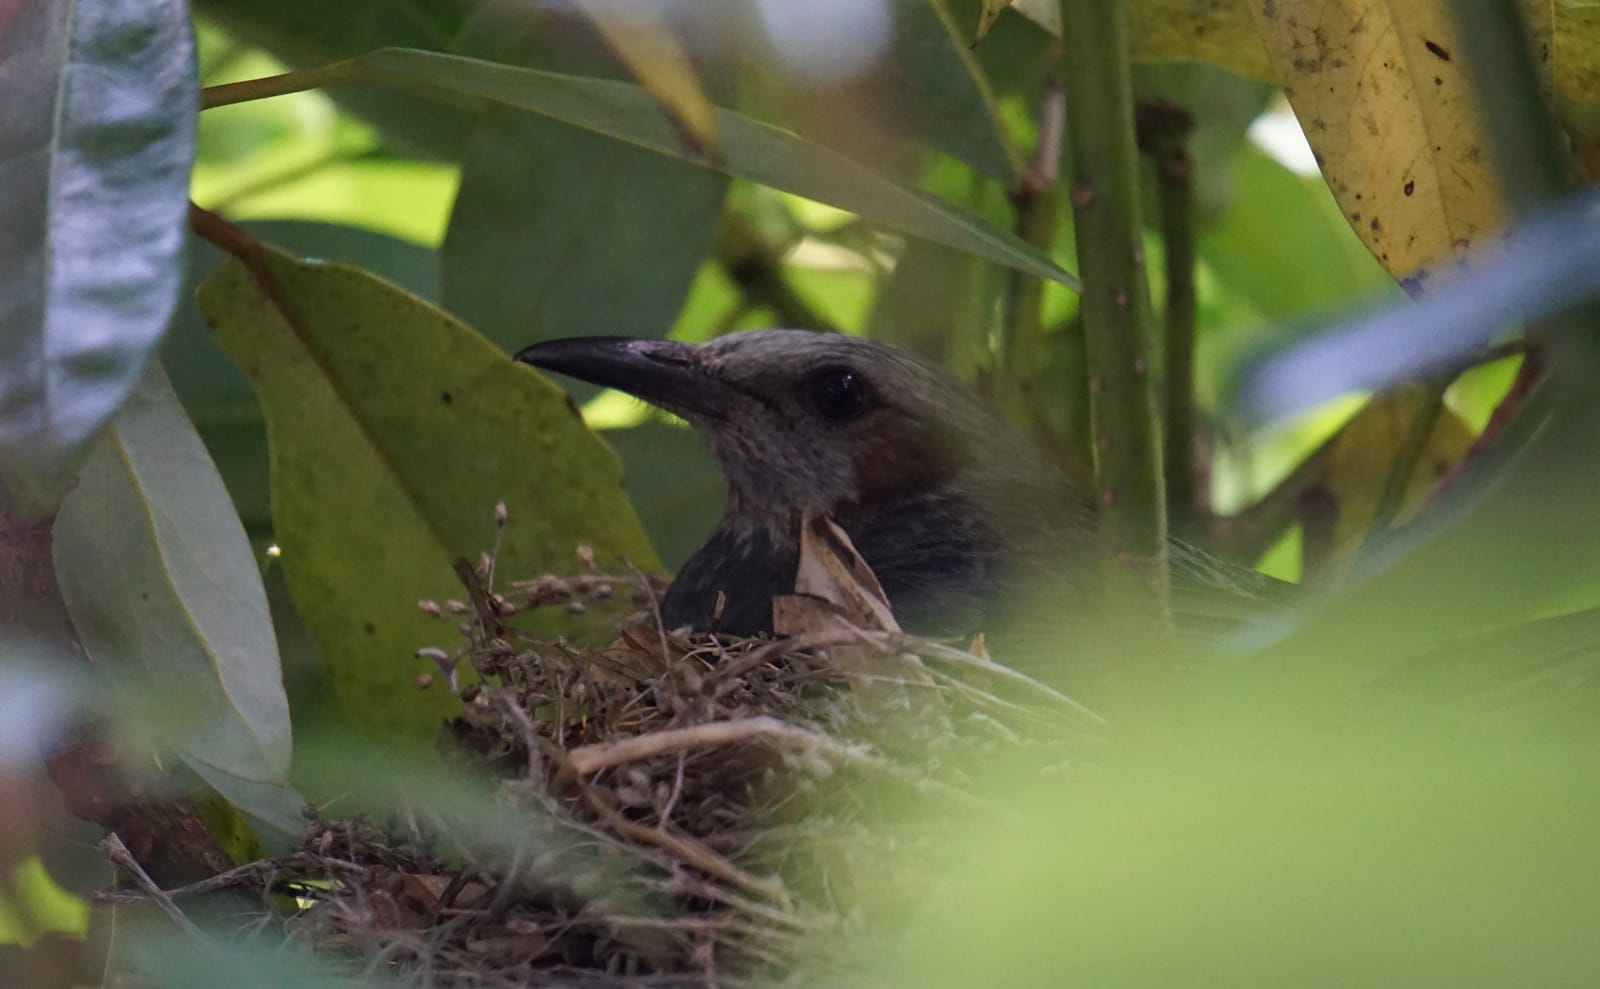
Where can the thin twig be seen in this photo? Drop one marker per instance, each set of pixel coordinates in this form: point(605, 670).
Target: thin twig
point(690, 850)
point(240, 876)
point(1022, 324)
point(590, 759)
point(117, 853)
point(1163, 132)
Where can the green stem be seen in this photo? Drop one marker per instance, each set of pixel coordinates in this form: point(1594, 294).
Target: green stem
point(279, 85)
point(1104, 166)
point(1163, 130)
point(1022, 325)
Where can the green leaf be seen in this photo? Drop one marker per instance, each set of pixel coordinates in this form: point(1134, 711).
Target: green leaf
point(94, 168)
point(304, 33)
point(947, 102)
point(559, 232)
point(394, 431)
point(219, 400)
point(750, 149)
point(156, 571)
point(1244, 252)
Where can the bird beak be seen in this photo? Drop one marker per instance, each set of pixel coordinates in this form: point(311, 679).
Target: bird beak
point(664, 373)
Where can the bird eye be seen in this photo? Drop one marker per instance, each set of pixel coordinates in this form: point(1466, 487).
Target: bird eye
point(837, 393)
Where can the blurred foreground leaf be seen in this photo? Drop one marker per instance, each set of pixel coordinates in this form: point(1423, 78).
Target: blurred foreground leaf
point(156, 571)
point(1546, 264)
point(95, 150)
point(1259, 854)
point(394, 431)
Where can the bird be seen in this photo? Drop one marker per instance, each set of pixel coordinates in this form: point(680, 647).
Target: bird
point(962, 519)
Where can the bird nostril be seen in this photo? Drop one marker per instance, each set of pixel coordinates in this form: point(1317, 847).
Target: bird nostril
point(671, 358)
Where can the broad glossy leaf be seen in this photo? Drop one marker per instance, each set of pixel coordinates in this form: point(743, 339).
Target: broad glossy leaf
point(394, 431)
point(95, 148)
point(558, 232)
point(750, 149)
point(156, 572)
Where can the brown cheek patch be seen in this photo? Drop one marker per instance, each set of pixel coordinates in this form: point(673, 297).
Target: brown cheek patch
point(896, 457)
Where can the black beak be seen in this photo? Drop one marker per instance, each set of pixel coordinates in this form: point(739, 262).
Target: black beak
point(664, 373)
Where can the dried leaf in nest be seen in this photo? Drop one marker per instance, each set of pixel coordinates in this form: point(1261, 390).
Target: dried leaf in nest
point(834, 589)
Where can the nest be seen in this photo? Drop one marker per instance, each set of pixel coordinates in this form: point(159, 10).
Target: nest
point(672, 808)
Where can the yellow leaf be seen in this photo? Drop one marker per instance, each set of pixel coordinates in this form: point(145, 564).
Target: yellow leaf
point(1382, 93)
point(1359, 458)
point(833, 587)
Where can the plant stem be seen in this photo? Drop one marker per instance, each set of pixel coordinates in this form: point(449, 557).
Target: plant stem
point(1163, 130)
point(1022, 325)
point(1104, 165)
point(755, 264)
point(279, 85)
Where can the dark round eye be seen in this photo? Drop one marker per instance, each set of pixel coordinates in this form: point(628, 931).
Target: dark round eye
point(837, 393)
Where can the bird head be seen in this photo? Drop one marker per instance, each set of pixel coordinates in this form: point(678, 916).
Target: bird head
point(800, 422)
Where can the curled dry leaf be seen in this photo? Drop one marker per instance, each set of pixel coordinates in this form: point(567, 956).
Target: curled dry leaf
point(833, 587)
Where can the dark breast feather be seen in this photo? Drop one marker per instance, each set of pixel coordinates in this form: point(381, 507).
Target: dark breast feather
point(936, 562)
point(749, 568)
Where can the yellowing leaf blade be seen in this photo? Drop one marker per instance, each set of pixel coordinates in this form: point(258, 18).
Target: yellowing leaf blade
point(1384, 98)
